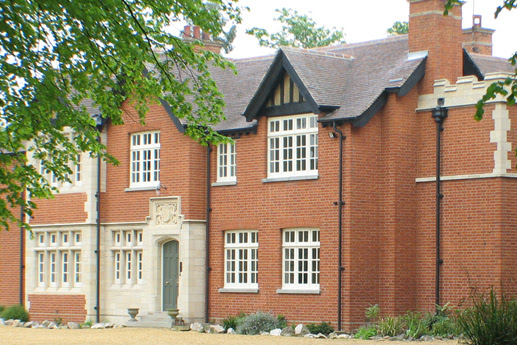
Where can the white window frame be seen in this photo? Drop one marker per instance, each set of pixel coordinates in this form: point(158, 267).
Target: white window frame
point(241, 259)
point(301, 259)
point(145, 159)
point(293, 146)
point(127, 257)
point(65, 269)
point(41, 269)
point(77, 268)
point(226, 162)
point(56, 254)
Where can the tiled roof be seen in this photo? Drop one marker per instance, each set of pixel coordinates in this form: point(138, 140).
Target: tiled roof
point(487, 64)
point(350, 76)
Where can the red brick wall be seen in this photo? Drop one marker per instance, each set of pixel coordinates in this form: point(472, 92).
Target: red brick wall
point(269, 208)
point(182, 170)
point(10, 266)
point(68, 308)
point(63, 208)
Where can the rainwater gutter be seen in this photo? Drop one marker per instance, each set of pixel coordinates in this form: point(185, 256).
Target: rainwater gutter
point(207, 234)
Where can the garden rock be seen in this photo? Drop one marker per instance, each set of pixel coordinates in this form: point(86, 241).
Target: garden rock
point(264, 333)
point(2, 322)
point(287, 332)
point(216, 329)
point(28, 324)
point(426, 338)
point(301, 330)
point(16, 323)
point(52, 325)
point(230, 331)
point(98, 325)
point(399, 337)
point(196, 326)
point(45, 323)
point(73, 325)
point(109, 325)
point(276, 332)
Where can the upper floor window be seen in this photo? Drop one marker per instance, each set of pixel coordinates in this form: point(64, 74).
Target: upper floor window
point(145, 159)
point(226, 163)
point(293, 146)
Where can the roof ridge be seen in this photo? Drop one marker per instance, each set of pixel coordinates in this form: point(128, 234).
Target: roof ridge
point(252, 58)
point(317, 52)
point(367, 43)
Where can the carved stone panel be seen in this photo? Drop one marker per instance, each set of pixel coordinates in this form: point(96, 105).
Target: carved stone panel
point(164, 211)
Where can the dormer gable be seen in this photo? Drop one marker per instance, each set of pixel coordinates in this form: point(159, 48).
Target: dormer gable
point(281, 92)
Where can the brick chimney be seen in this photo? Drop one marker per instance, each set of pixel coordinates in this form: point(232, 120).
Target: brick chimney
point(194, 34)
point(477, 39)
point(441, 36)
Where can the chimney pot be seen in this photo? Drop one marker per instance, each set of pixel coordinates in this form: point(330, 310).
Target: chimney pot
point(205, 36)
point(197, 32)
point(186, 31)
point(476, 20)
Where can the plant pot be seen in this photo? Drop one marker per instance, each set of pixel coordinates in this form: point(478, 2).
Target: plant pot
point(173, 313)
point(133, 312)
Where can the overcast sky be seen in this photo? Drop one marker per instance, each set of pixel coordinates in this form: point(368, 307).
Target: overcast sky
point(365, 20)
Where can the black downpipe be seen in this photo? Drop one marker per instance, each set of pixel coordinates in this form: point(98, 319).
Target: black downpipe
point(439, 115)
point(207, 235)
point(340, 203)
point(98, 249)
point(22, 246)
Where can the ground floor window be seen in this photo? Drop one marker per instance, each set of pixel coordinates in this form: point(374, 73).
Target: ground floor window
point(127, 256)
point(241, 259)
point(301, 259)
point(58, 258)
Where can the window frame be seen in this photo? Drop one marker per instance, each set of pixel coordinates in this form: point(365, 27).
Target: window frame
point(139, 148)
point(296, 246)
point(243, 265)
point(227, 162)
point(292, 146)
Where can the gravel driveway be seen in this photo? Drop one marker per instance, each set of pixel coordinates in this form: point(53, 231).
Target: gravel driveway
point(159, 336)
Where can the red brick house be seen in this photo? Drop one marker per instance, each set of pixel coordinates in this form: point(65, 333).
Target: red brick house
point(325, 203)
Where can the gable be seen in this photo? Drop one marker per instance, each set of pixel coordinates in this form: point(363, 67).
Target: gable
point(281, 92)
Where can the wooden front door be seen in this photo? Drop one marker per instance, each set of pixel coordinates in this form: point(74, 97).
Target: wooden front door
point(170, 275)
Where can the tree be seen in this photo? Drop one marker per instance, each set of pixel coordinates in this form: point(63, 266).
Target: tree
point(57, 54)
point(398, 28)
point(506, 88)
point(298, 31)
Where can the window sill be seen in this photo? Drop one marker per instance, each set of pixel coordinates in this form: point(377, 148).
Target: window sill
point(225, 183)
point(290, 178)
point(239, 290)
point(299, 291)
point(137, 189)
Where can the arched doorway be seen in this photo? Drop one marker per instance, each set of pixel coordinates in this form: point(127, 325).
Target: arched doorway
point(170, 280)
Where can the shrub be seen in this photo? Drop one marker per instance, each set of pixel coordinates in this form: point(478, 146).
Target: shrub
point(416, 326)
point(490, 321)
point(2, 308)
point(16, 312)
point(366, 333)
point(390, 326)
point(232, 321)
point(256, 323)
point(372, 312)
point(282, 321)
point(323, 328)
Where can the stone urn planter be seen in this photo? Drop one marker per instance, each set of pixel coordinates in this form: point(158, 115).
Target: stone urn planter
point(133, 312)
point(173, 313)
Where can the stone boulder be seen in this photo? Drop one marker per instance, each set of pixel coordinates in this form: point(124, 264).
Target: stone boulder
point(276, 332)
point(287, 332)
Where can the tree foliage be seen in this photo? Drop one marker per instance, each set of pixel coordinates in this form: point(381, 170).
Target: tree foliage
point(506, 88)
point(55, 55)
point(398, 28)
point(297, 31)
